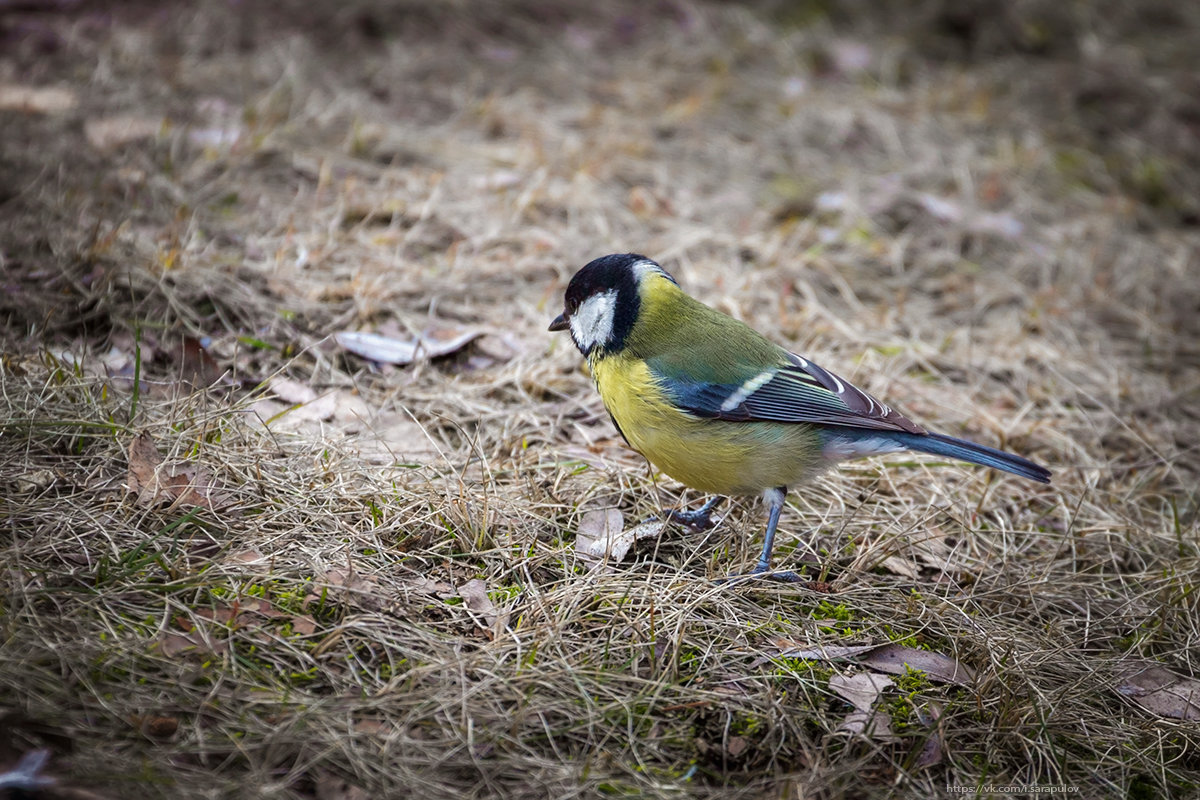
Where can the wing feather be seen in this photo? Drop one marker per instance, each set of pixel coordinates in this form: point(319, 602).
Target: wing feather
point(799, 391)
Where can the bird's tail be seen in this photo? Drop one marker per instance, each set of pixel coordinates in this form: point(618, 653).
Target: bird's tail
point(939, 445)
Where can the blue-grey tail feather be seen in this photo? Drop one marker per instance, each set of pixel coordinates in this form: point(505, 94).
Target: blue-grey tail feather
point(940, 445)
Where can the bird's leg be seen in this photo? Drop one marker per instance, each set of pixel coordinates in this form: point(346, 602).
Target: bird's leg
point(775, 497)
point(700, 519)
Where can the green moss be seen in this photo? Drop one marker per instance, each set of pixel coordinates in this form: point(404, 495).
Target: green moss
point(826, 609)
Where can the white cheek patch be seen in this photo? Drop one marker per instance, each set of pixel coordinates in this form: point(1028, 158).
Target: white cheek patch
point(592, 322)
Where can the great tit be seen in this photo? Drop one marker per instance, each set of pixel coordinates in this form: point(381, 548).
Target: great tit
point(720, 408)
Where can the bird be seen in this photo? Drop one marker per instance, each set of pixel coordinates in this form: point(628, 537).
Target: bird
point(717, 406)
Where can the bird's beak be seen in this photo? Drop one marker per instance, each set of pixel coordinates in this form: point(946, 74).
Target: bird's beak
point(560, 323)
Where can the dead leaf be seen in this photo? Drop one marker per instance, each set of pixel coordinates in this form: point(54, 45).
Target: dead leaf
point(156, 727)
point(291, 391)
point(247, 557)
point(897, 565)
point(36, 99)
point(373, 727)
point(875, 725)
point(931, 751)
point(305, 409)
point(1160, 691)
point(196, 366)
point(594, 538)
point(356, 590)
point(891, 658)
point(861, 689)
point(428, 586)
point(895, 659)
point(736, 746)
point(303, 625)
point(263, 608)
point(107, 133)
point(401, 438)
point(34, 481)
point(600, 538)
point(144, 461)
point(173, 644)
point(222, 615)
point(155, 482)
point(382, 349)
point(821, 652)
point(475, 597)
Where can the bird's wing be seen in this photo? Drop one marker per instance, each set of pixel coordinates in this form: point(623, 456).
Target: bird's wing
point(797, 391)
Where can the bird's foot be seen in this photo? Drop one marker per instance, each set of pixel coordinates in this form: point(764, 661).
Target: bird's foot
point(764, 572)
point(698, 520)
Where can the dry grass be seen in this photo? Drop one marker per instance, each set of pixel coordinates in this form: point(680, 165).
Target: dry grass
point(395, 167)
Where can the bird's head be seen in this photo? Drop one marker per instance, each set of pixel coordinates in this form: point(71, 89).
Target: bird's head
point(603, 300)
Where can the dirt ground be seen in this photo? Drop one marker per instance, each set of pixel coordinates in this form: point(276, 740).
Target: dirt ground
point(240, 559)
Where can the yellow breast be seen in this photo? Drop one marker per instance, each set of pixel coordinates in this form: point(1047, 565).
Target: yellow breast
point(710, 455)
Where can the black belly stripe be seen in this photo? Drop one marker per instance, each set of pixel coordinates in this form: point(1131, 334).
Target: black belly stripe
point(618, 427)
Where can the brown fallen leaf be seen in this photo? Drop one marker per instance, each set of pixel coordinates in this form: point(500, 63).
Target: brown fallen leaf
point(1160, 691)
point(222, 615)
point(381, 349)
point(891, 658)
point(895, 659)
point(425, 585)
point(736, 746)
point(601, 539)
point(291, 391)
point(931, 751)
point(373, 727)
point(787, 649)
point(35, 480)
point(264, 608)
point(595, 536)
point(196, 367)
point(155, 727)
point(475, 597)
point(155, 482)
point(251, 556)
point(144, 461)
point(862, 690)
point(174, 644)
point(346, 585)
point(875, 725)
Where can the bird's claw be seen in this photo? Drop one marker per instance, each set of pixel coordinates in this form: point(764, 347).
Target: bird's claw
point(696, 520)
point(764, 572)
